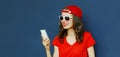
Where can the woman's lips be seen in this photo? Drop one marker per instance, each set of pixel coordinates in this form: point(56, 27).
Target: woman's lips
point(64, 24)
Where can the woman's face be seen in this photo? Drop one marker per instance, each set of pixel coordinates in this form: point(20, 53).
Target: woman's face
point(66, 20)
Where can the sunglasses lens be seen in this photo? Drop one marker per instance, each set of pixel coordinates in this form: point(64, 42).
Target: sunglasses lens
point(67, 18)
point(61, 18)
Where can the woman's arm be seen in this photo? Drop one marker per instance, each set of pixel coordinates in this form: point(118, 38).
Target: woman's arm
point(56, 53)
point(46, 43)
point(48, 53)
point(91, 52)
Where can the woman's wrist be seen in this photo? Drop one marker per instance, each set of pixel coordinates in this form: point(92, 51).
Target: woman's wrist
point(48, 52)
point(47, 49)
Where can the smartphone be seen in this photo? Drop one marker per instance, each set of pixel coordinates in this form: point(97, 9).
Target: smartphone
point(44, 33)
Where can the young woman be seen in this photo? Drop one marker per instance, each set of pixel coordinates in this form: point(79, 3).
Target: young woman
point(72, 40)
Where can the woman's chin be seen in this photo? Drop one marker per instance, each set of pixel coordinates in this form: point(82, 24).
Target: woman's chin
point(66, 27)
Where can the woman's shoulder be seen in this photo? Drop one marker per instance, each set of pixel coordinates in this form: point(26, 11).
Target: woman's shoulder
point(87, 33)
point(56, 41)
point(88, 39)
point(56, 37)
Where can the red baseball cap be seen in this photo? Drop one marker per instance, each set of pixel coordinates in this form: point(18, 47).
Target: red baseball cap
point(75, 10)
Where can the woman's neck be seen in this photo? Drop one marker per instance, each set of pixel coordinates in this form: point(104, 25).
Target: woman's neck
point(71, 36)
point(70, 32)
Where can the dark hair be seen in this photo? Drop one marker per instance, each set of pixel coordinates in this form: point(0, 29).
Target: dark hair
point(78, 28)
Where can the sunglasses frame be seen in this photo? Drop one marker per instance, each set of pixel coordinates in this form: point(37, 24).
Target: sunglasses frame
point(67, 18)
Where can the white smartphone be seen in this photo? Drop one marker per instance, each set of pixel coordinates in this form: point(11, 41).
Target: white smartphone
point(44, 33)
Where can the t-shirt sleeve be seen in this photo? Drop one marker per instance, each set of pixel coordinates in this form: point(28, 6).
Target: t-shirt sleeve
point(55, 41)
point(90, 40)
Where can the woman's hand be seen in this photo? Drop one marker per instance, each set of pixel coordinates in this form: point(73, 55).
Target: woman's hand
point(46, 43)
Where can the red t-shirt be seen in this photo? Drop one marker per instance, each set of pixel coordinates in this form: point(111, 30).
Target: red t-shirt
point(75, 50)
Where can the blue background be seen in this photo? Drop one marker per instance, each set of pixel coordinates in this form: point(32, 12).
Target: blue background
point(21, 20)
